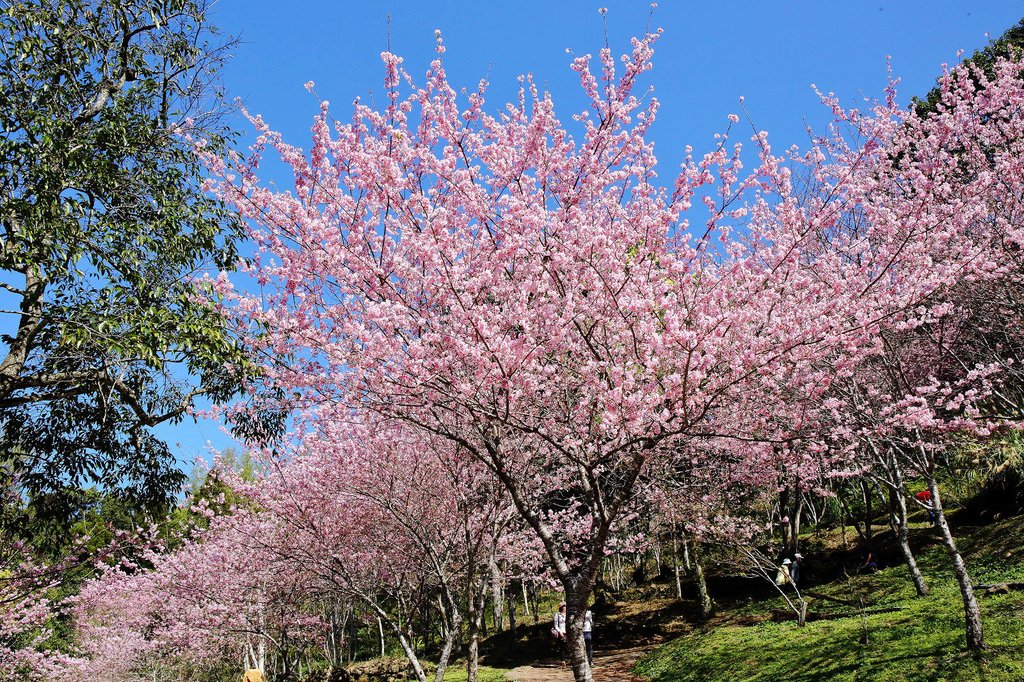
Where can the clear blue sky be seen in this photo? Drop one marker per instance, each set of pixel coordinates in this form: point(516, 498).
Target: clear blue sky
point(711, 53)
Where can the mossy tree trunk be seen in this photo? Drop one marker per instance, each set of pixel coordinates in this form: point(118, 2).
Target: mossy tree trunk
point(974, 629)
point(903, 530)
point(704, 602)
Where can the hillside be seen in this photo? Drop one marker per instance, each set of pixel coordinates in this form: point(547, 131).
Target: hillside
point(861, 626)
point(896, 637)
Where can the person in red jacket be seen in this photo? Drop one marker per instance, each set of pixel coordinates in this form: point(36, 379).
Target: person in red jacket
point(925, 498)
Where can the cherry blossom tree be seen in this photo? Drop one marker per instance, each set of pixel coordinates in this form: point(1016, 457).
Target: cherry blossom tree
point(379, 514)
point(506, 326)
point(32, 600)
point(944, 370)
point(25, 619)
point(222, 596)
point(380, 510)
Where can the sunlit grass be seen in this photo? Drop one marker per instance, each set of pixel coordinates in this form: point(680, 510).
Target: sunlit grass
point(485, 674)
point(924, 640)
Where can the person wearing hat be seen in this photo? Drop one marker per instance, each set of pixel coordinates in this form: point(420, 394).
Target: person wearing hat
point(796, 568)
point(782, 577)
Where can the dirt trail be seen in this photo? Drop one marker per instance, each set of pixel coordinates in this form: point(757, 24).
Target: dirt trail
point(609, 666)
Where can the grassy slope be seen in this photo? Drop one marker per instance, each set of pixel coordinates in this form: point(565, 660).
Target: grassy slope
point(485, 674)
point(923, 641)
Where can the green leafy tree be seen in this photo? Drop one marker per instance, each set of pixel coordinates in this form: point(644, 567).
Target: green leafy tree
point(104, 227)
point(1010, 45)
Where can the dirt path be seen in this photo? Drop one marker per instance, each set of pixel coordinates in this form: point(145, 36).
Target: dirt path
point(609, 666)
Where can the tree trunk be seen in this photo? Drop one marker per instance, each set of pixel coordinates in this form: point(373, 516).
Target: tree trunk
point(576, 606)
point(380, 631)
point(337, 636)
point(526, 600)
point(703, 597)
point(511, 602)
point(848, 514)
point(812, 511)
point(783, 508)
point(473, 615)
point(868, 509)
point(450, 635)
point(286, 660)
point(903, 538)
point(497, 596)
point(675, 563)
point(790, 508)
point(28, 327)
point(410, 654)
point(794, 521)
point(403, 641)
point(261, 641)
point(842, 523)
point(687, 563)
point(483, 611)
point(903, 532)
point(972, 613)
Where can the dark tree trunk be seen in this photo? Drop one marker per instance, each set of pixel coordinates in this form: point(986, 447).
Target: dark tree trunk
point(511, 602)
point(797, 510)
point(497, 596)
point(784, 496)
point(703, 596)
point(24, 340)
point(473, 614)
point(790, 508)
point(869, 512)
point(847, 513)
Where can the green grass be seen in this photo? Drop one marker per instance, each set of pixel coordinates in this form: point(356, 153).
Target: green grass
point(485, 674)
point(923, 641)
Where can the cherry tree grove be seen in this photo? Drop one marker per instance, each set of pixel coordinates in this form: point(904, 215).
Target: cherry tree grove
point(225, 596)
point(946, 371)
point(29, 608)
point(390, 516)
point(507, 348)
point(354, 517)
point(543, 304)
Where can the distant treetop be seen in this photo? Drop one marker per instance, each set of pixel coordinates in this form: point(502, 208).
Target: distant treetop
point(1010, 45)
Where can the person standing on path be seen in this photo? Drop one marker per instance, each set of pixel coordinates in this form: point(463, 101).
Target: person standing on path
point(558, 631)
point(588, 636)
